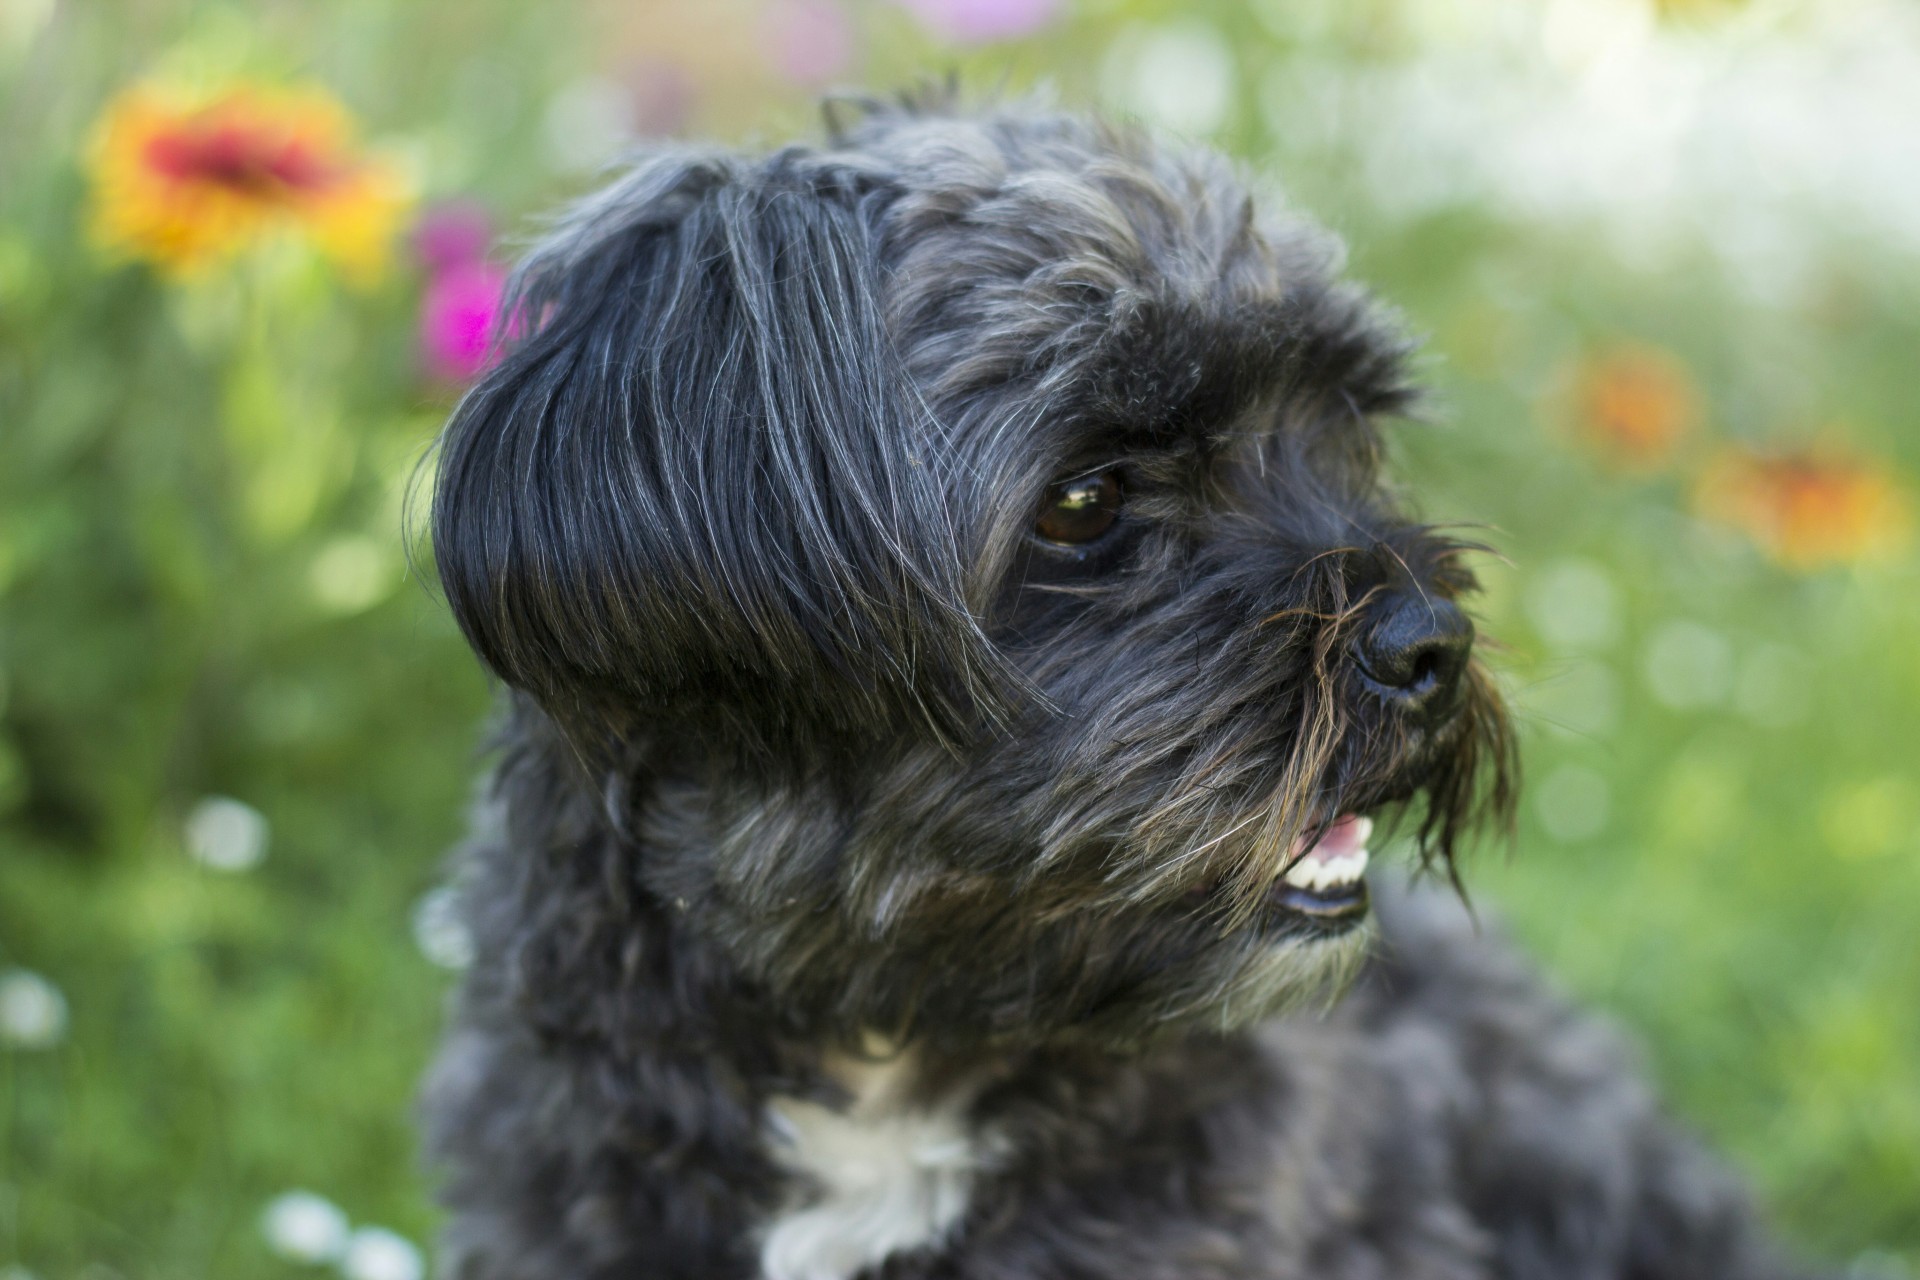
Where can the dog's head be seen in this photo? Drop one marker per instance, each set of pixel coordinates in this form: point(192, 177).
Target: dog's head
point(962, 553)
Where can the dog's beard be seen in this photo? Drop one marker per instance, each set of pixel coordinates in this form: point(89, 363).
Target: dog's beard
point(1423, 789)
point(1223, 773)
point(1254, 956)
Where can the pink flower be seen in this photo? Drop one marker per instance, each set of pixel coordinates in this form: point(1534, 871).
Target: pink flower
point(457, 319)
point(809, 41)
point(980, 21)
point(452, 234)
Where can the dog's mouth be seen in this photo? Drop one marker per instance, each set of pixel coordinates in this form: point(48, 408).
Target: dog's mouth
point(1322, 889)
point(1325, 880)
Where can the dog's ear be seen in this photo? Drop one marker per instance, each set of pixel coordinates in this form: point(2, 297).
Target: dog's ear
point(700, 478)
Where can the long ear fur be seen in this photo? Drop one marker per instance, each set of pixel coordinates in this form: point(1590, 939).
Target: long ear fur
point(701, 478)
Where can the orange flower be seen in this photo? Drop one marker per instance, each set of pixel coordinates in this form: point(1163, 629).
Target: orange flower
point(185, 182)
point(1634, 404)
point(1806, 508)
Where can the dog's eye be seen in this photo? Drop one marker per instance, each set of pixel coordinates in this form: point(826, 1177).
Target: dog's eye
point(1079, 510)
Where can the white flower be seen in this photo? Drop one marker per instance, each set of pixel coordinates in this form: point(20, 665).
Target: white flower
point(33, 1013)
point(439, 931)
point(374, 1253)
point(225, 834)
point(305, 1227)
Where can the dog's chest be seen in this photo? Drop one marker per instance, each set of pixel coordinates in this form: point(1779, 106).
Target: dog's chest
point(882, 1176)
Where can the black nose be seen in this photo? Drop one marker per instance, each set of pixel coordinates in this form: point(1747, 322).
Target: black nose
point(1416, 651)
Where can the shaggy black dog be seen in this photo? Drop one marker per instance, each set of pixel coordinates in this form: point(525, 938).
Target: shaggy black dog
point(958, 635)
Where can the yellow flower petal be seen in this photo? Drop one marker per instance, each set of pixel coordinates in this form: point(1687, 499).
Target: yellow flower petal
point(185, 182)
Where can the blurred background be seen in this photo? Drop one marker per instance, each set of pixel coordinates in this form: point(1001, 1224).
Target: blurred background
point(1664, 254)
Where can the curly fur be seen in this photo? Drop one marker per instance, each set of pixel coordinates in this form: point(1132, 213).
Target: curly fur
point(811, 746)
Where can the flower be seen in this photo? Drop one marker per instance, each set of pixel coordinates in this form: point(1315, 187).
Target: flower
point(457, 319)
point(439, 932)
point(186, 181)
point(1805, 508)
point(1634, 404)
point(305, 1227)
point(33, 1013)
point(452, 234)
point(461, 306)
point(374, 1253)
point(224, 834)
point(981, 21)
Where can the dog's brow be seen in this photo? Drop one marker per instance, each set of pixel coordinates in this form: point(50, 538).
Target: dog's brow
point(1183, 366)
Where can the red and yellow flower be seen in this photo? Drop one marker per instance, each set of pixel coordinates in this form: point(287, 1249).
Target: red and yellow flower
point(1634, 405)
point(185, 181)
point(1806, 508)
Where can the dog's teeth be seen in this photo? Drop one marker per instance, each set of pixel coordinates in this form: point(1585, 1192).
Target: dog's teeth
point(1315, 874)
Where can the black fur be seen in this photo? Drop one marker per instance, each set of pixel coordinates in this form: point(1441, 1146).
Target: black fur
point(811, 739)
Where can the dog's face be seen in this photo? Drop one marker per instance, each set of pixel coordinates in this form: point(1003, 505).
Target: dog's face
point(963, 557)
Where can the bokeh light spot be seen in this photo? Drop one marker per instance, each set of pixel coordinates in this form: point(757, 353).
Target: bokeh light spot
point(1688, 664)
point(1575, 605)
point(1180, 76)
point(1868, 819)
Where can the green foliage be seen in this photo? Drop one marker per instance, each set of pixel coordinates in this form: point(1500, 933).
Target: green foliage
point(205, 591)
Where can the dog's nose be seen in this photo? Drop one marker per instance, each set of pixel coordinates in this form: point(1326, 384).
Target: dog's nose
point(1416, 651)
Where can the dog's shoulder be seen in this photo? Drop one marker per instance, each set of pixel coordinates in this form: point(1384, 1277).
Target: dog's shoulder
point(1516, 1079)
point(1533, 1113)
point(1453, 970)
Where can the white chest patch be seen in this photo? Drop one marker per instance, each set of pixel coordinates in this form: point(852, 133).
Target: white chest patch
point(879, 1177)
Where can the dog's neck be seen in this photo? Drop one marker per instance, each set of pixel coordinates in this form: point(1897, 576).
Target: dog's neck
point(759, 1148)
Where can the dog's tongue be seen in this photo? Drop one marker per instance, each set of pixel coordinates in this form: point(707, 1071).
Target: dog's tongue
point(1346, 837)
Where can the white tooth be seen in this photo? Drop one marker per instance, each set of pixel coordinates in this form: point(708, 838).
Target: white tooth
point(1365, 827)
point(1313, 874)
point(1308, 873)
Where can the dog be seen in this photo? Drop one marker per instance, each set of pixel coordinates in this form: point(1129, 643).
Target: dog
point(957, 637)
